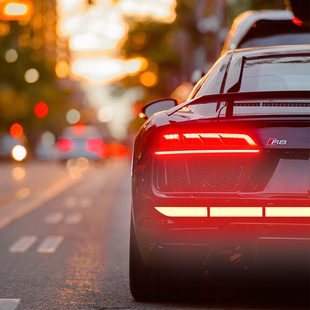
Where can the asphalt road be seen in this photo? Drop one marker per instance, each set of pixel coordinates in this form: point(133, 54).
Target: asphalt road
point(64, 245)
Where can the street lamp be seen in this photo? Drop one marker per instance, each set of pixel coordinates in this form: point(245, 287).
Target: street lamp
point(16, 9)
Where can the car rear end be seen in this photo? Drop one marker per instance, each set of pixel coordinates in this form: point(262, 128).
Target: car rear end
point(83, 142)
point(223, 186)
point(240, 206)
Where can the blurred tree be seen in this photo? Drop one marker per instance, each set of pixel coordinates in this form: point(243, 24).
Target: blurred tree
point(19, 97)
point(168, 48)
point(237, 7)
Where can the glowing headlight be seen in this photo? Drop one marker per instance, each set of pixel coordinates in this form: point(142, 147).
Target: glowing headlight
point(19, 152)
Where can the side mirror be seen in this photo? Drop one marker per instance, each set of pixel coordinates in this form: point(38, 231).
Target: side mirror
point(157, 106)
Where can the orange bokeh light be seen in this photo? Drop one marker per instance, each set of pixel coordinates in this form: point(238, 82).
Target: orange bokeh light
point(16, 131)
point(16, 9)
point(148, 79)
point(62, 69)
point(41, 109)
point(79, 128)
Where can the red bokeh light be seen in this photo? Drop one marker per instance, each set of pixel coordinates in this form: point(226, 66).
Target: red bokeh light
point(96, 145)
point(118, 151)
point(79, 128)
point(65, 145)
point(136, 109)
point(41, 109)
point(16, 131)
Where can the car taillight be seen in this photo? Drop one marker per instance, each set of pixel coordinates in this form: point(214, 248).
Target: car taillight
point(206, 143)
point(93, 145)
point(96, 145)
point(65, 145)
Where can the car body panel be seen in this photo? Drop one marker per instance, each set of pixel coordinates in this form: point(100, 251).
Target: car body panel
point(223, 212)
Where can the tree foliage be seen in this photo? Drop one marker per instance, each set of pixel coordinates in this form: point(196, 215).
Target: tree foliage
point(18, 98)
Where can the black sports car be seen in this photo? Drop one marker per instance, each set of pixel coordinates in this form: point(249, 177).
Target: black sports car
point(220, 183)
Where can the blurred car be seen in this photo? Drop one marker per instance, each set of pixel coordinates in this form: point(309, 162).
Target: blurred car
point(220, 183)
point(11, 148)
point(81, 141)
point(266, 28)
point(46, 147)
point(46, 152)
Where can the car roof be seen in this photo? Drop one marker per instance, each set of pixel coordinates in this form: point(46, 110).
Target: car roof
point(243, 23)
point(271, 50)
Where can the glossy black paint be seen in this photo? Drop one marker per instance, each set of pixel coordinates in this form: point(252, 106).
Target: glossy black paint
point(262, 189)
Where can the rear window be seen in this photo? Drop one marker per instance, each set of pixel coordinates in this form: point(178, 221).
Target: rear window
point(272, 107)
point(276, 74)
point(286, 73)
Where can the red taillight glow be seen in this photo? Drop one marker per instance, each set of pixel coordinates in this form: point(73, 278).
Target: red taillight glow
point(205, 152)
point(65, 145)
point(96, 145)
point(297, 21)
point(206, 143)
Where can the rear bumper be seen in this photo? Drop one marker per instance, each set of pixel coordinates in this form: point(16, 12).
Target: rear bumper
point(260, 249)
point(225, 246)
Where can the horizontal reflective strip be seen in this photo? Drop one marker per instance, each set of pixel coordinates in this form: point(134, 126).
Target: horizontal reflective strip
point(236, 211)
point(183, 211)
point(284, 238)
point(204, 152)
point(288, 211)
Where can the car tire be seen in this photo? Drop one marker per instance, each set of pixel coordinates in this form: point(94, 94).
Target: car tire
point(159, 284)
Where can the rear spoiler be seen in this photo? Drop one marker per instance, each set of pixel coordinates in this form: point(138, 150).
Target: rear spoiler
point(230, 98)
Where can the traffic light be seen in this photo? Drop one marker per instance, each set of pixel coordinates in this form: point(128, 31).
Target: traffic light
point(16, 9)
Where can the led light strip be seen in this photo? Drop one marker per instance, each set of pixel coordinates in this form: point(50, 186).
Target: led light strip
point(183, 211)
point(205, 152)
point(248, 139)
point(288, 212)
point(234, 211)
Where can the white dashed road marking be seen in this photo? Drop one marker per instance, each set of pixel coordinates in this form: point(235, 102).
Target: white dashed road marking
point(50, 244)
point(54, 218)
point(73, 218)
point(22, 245)
point(9, 304)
